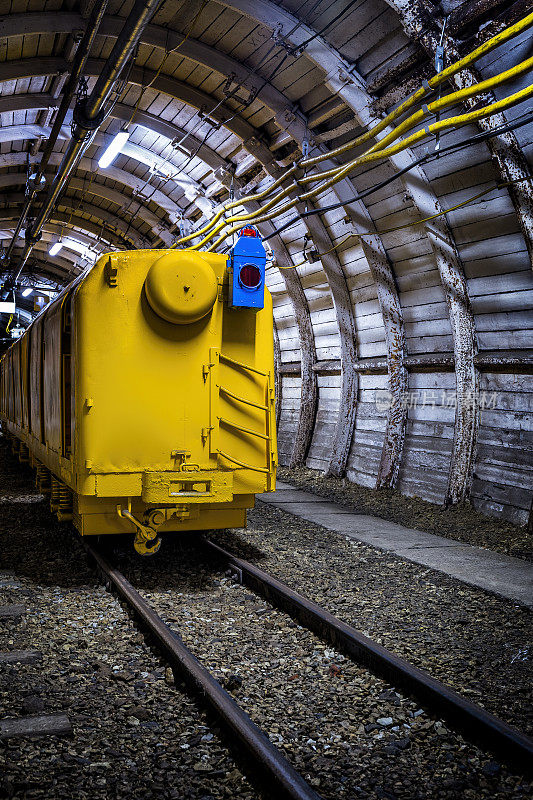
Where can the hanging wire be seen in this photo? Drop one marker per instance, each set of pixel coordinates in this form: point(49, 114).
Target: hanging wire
point(167, 55)
point(358, 235)
point(322, 30)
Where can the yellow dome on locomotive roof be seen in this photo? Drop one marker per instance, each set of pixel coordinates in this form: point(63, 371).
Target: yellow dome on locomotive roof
point(181, 287)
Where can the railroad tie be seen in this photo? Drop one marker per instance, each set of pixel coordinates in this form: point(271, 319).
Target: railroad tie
point(13, 611)
point(20, 656)
point(30, 726)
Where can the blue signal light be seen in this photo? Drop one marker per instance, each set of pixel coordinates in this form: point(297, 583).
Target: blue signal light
point(247, 271)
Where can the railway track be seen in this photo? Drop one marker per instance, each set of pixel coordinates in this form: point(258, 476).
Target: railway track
point(276, 772)
point(265, 760)
point(476, 724)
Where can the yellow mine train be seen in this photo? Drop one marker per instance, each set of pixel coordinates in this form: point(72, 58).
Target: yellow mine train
point(143, 395)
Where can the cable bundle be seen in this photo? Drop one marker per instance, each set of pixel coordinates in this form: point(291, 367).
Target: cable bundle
point(278, 203)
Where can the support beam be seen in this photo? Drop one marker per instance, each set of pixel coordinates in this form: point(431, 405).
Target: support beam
point(76, 221)
point(346, 324)
point(121, 176)
point(163, 39)
point(10, 103)
point(128, 234)
point(507, 361)
point(105, 192)
point(236, 124)
point(302, 316)
point(381, 270)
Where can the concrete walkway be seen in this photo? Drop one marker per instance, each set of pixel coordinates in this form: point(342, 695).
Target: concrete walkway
point(509, 577)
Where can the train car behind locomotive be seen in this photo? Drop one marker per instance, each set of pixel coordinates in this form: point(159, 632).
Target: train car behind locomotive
point(144, 394)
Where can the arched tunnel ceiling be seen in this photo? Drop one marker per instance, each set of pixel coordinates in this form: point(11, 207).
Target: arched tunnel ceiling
point(377, 313)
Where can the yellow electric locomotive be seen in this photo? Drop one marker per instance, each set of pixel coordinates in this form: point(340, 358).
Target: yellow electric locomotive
point(144, 394)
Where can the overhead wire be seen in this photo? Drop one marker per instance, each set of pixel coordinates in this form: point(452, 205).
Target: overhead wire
point(322, 30)
point(524, 119)
point(427, 87)
point(168, 53)
point(360, 234)
point(343, 170)
point(461, 119)
point(439, 125)
point(241, 105)
point(381, 149)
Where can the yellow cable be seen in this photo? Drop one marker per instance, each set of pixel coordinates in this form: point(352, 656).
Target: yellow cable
point(246, 217)
point(460, 119)
point(369, 157)
point(417, 222)
point(513, 30)
point(338, 172)
point(234, 204)
point(433, 83)
point(452, 99)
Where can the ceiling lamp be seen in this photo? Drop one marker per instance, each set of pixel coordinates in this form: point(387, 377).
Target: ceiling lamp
point(27, 291)
point(113, 148)
point(55, 249)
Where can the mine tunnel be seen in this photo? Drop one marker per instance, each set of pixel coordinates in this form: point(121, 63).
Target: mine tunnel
point(266, 358)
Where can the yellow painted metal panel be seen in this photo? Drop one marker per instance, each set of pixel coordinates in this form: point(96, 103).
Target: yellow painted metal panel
point(116, 485)
point(151, 421)
point(52, 376)
point(24, 380)
point(35, 376)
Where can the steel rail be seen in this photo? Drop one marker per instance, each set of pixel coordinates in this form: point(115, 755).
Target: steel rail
point(279, 775)
point(472, 720)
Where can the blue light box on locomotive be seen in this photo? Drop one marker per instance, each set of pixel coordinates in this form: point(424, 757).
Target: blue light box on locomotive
point(247, 270)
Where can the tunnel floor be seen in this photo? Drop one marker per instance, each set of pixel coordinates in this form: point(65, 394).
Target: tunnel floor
point(135, 734)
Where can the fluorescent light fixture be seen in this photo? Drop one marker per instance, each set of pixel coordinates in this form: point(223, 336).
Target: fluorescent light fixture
point(7, 307)
point(55, 249)
point(26, 292)
point(113, 149)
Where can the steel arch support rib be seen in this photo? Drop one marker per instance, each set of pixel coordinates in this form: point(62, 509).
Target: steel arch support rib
point(99, 213)
point(389, 303)
point(104, 192)
point(309, 385)
point(466, 374)
point(345, 424)
point(119, 175)
point(391, 314)
point(24, 102)
point(162, 39)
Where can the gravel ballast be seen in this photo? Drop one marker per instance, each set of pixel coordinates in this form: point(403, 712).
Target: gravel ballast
point(349, 733)
point(135, 735)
